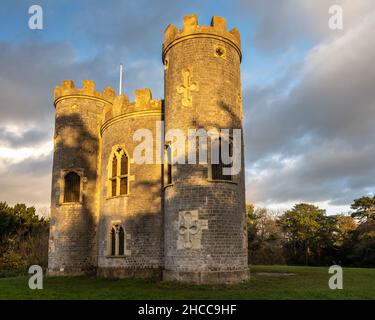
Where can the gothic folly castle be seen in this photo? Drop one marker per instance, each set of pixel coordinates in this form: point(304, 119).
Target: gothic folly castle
point(116, 218)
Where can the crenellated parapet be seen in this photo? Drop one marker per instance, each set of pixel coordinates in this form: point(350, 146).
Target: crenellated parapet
point(144, 101)
point(120, 105)
point(67, 89)
point(122, 108)
point(190, 28)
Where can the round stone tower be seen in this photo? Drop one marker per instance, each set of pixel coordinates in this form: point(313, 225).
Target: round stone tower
point(205, 225)
point(74, 199)
point(131, 219)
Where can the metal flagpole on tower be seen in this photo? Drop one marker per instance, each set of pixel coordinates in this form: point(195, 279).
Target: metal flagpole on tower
point(120, 85)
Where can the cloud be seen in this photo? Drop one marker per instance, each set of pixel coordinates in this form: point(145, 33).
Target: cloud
point(280, 25)
point(11, 138)
point(316, 142)
point(308, 98)
point(88, 46)
point(135, 25)
point(27, 181)
point(327, 172)
point(28, 74)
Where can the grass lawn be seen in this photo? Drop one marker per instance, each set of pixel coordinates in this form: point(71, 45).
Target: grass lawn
point(308, 283)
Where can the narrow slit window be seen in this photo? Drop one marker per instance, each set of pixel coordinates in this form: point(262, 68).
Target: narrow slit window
point(114, 185)
point(124, 164)
point(124, 175)
point(121, 239)
point(114, 176)
point(114, 167)
point(123, 185)
point(169, 164)
point(113, 241)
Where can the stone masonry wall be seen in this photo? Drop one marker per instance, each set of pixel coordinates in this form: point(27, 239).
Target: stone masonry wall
point(73, 231)
point(139, 212)
point(208, 62)
point(193, 229)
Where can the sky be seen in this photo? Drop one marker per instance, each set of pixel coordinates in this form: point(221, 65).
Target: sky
point(309, 91)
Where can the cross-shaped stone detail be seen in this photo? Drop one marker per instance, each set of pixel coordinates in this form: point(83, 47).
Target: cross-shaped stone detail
point(190, 230)
point(186, 88)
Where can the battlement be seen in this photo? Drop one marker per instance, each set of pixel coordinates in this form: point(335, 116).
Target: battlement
point(67, 88)
point(143, 100)
point(120, 104)
point(143, 105)
point(190, 27)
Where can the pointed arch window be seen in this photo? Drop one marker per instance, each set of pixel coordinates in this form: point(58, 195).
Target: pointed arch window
point(117, 241)
point(118, 173)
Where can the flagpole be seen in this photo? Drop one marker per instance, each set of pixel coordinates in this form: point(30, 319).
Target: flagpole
point(120, 85)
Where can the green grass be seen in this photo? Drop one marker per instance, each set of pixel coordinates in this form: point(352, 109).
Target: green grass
point(308, 283)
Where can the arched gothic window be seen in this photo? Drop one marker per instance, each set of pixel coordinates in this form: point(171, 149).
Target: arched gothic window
point(119, 173)
point(117, 241)
point(72, 187)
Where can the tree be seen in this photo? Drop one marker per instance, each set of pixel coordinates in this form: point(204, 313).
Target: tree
point(302, 225)
point(360, 246)
point(345, 225)
point(306, 235)
point(264, 237)
point(324, 250)
point(23, 237)
point(9, 224)
point(365, 208)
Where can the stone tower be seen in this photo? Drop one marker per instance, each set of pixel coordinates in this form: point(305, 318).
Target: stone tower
point(74, 210)
point(116, 215)
point(137, 209)
point(205, 228)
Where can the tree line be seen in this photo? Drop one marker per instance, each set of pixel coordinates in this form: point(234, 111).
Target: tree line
point(23, 239)
point(303, 235)
point(306, 235)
